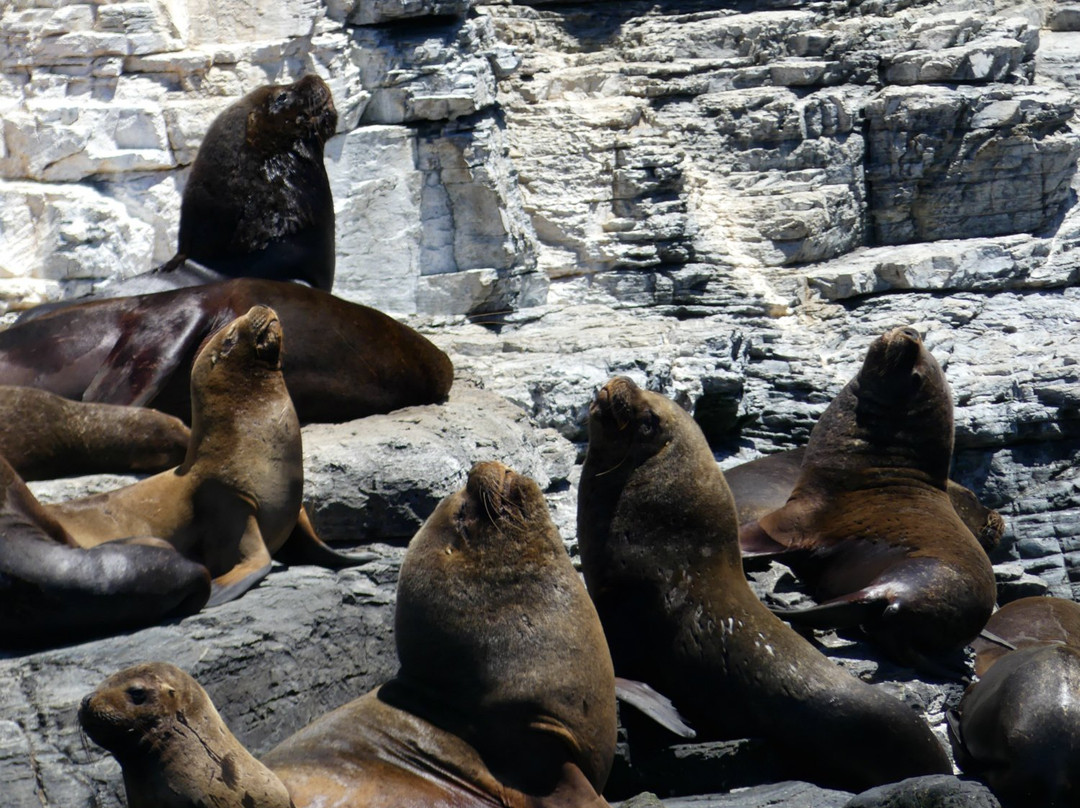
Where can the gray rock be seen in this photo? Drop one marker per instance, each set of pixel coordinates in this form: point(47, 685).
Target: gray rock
point(933, 791)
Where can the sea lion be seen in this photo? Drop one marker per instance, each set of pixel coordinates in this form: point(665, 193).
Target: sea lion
point(1018, 728)
point(1024, 623)
point(870, 526)
point(51, 591)
point(659, 547)
point(235, 499)
point(345, 361)
point(763, 485)
point(172, 745)
point(505, 695)
point(257, 203)
point(45, 436)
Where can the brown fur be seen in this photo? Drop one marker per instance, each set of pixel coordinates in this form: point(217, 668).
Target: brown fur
point(658, 536)
point(173, 747)
point(505, 695)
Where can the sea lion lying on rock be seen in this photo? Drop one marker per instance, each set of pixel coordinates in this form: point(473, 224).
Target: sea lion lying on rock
point(870, 526)
point(45, 436)
point(344, 361)
point(52, 591)
point(659, 549)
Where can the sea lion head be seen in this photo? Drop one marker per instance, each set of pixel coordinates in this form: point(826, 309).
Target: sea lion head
point(252, 341)
point(649, 460)
point(175, 750)
point(132, 708)
point(898, 367)
point(285, 116)
point(631, 424)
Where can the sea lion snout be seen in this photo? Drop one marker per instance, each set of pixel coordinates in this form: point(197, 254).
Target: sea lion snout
point(614, 401)
point(266, 334)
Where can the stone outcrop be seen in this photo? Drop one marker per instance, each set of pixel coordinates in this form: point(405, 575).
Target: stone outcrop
point(725, 202)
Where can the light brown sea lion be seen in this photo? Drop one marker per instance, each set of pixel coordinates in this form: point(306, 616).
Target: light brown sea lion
point(659, 548)
point(1024, 623)
point(870, 526)
point(763, 485)
point(505, 694)
point(1018, 728)
point(345, 361)
point(45, 436)
point(52, 591)
point(236, 498)
point(173, 747)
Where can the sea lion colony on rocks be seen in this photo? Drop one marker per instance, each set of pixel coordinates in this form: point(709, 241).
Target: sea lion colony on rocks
point(506, 691)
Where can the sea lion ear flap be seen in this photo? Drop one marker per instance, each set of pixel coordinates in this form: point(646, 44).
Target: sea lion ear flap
point(144, 358)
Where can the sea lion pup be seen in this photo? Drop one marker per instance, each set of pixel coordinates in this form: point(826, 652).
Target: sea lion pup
point(763, 485)
point(172, 746)
point(45, 436)
point(505, 695)
point(1024, 623)
point(1018, 728)
point(345, 361)
point(659, 548)
point(235, 499)
point(870, 526)
point(53, 592)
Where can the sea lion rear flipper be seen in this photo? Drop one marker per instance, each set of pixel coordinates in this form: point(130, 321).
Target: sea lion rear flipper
point(305, 547)
point(655, 705)
point(144, 358)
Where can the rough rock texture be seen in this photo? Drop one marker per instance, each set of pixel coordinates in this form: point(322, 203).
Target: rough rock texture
point(725, 201)
point(933, 791)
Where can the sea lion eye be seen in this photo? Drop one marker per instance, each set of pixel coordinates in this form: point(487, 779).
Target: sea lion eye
point(649, 423)
point(279, 102)
point(137, 695)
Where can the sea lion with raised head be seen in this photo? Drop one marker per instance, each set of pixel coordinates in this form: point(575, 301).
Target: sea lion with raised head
point(45, 436)
point(257, 203)
point(344, 361)
point(52, 591)
point(505, 695)
point(174, 749)
point(236, 498)
point(870, 526)
point(1018, 728)
point(1024, 623)
point(763, 485)
point(659, 549)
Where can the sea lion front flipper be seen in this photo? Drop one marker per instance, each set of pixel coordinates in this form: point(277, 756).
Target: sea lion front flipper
point(303, 546)
point(144, 358)
point(655, 705)
point(754, 542)
point(236, 582)
point(253, 566)
point(846, 611)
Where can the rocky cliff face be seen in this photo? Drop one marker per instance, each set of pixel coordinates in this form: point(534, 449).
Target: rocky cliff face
point(725, 201)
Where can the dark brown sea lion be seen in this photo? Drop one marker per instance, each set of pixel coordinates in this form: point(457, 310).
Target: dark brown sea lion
point(505, 695)
point(45, 436)
point(763, 485)
point(257, 203)
point(870, 526)
point(659, 548)
point(235, 499)
point(1018, 728)
point(344, 361)
point(173, 747)
point(1024, 623)
point(51, 591)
